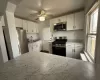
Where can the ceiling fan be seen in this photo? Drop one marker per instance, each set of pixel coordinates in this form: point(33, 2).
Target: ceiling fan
point(40, 13)
point(42, 16)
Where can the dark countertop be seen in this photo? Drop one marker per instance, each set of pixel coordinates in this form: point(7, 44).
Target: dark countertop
point(34, 41)
point(42, 66)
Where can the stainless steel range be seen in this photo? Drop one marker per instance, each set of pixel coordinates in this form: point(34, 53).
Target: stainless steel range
point(59, 46)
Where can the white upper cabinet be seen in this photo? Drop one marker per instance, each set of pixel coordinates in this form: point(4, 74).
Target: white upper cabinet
point(57, 20)
point(25, 25)
point(70, 22)
point(75, 21)
point(30, 27)
point(18, 22)
point(36, 28)
point(61, 19)
point(79, 20)
point(52, 22)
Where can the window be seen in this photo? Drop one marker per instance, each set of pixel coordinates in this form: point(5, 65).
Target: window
point(91, 32)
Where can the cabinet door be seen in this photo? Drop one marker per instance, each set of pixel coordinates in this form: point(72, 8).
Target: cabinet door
point(37, 46)
point(58, 20)
point(30, 47)
point(51, 25)
point(70, 51)
point(61, 19)
point(78, 50)
point(79, 20)
point(30, 27)
point(18, 22)
point(70, 22)
point(64, 18)
point(25, 25)
point(33, 29)
point(36, 28)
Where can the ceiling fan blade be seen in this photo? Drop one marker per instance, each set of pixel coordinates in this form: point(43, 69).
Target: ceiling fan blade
point(33, 11)
point(32, 16)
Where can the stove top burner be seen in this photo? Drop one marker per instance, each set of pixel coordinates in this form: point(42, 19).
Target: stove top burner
point(59, 42)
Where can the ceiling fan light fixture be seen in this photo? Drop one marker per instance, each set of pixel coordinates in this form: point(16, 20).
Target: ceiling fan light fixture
point(42, 18)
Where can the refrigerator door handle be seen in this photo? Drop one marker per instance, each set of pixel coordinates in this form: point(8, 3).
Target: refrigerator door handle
point(19, 49)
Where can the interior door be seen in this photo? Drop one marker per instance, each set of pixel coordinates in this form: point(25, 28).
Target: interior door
point(47, 34)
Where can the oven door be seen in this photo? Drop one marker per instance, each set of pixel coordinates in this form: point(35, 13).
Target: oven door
point(59, 50)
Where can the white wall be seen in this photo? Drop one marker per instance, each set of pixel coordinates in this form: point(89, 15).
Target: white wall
point(12, 32)
point(33, 35)
point(71, 35)
point(3, 52)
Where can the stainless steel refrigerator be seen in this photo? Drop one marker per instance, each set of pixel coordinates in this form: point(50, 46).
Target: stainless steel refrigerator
point(23, 42)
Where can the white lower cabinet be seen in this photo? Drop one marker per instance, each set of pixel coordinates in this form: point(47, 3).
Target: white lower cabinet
point(30, 47)
point(73, 50)
point(78, 49)
point(70, 50)
point(35, 46)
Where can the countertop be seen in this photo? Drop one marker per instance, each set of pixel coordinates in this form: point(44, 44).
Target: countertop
point(42, 66)
point(33, 41)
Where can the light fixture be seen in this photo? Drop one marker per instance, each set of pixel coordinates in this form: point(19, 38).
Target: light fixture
point(42, 18)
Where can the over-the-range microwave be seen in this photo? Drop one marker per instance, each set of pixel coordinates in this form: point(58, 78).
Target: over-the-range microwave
point(60, 26)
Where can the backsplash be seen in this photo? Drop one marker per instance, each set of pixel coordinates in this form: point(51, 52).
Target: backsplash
point(71, 35)
point(32, 36)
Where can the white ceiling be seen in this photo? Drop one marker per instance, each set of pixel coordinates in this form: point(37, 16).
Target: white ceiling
point(52, 7)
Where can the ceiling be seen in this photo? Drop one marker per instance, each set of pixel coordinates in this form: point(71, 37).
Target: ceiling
point(28, 8)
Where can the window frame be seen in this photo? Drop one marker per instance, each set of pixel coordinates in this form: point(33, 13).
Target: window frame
point(88, 25)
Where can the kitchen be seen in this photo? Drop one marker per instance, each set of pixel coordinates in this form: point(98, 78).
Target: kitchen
point(74, 35)
point(55, 41)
